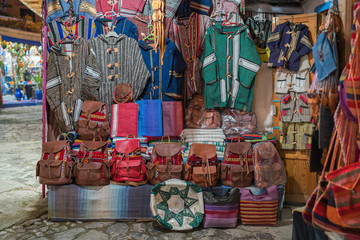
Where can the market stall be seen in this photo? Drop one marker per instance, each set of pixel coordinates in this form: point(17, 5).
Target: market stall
point(187, 111)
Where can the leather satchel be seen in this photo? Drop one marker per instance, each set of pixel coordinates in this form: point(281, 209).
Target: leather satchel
point(237, 169)
point(55, 166)
point(196, 116)
point(123, 93)
point(127, 165)
point(93, 122)
point(92, 168)
point(166, 163)
point(269, 168)
point(236, 122)
point(202, 167)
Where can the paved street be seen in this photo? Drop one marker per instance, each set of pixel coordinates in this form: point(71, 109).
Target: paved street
point(23, 212)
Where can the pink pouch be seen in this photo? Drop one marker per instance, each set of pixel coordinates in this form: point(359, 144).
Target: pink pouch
point(172, 118)
point(271, 194)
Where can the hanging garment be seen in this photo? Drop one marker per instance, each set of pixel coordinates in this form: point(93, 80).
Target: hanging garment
point(66, 83)
point(190, 36)
point(230, 63)
point(142, 23)
point(166, 80)
point(226, 6)
point(288, 43)
point(170, 9)
point(295, 135)
point(263, 54)
point(260, 31)
point(61, 8)
point(82, 27)
point(120, 61)
point(289, 81)
point(121, 25)
point(294, 107)
point(263, 95)
point(114, 8)
point(198, 6)
point(326, 126)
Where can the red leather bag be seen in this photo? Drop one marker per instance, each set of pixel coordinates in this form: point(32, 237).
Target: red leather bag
point(127, 165)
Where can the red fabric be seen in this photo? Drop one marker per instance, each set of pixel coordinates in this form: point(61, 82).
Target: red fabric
point(172, 118)
point(124, 119)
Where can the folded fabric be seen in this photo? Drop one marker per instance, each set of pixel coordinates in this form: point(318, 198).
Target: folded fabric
point(141, 139)
point(202, 131)
point(203, 139)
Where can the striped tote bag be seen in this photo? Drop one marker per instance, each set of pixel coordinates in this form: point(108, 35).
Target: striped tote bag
point(259, 209)
point(221, 211)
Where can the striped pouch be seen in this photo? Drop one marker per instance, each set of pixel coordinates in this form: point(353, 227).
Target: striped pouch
point(258, 210)
point(221, 210)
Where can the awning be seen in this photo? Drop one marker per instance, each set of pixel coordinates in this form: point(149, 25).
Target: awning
point(20, 36)
point(19, 40)
point(33, 5)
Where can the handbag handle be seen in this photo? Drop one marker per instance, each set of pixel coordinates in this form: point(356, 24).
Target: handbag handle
point(127, 137)
point(162, 138)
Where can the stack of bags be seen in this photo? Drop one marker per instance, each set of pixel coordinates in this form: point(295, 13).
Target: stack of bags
point(143, 143)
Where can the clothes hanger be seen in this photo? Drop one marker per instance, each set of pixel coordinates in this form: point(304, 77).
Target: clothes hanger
point(150, 37)
point(227, 22)
point(259, 17)
point(69, 38)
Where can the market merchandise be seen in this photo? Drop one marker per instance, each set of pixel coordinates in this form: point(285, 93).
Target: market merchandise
point(120, 25)
point(177, 205)
point(55, 166)
point(173, 123)
point(124, 119)
point(92, 167)
point(123, 93)
point(60, 8)
point(237, 167)
point(236, 122)
point(150, 118)
point(221, 210)
point(92, 124)
point(166, 163)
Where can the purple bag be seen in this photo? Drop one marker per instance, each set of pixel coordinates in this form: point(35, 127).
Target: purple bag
point(173, 123)
point(259, 209)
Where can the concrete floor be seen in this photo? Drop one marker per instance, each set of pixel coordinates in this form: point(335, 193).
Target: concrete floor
point(23, 211)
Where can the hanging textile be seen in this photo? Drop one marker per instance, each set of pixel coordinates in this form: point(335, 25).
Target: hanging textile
point(230, 63)
point(114, 8)
point(259, 30)
point(158, 18)
point(61, 8)
point(190, 36)
point(120, 25)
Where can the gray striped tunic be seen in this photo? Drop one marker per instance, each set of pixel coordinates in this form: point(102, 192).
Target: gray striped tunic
point(120, 61)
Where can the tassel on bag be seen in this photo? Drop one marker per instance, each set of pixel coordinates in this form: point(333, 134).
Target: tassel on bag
point(158, 18)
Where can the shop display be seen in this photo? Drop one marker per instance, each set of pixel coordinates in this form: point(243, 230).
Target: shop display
point(269, 168)
point(202, 166)
point(150, 118)
point(221, 210)
point(124, 119)
point(55, 166)
point(173, 123)
point(92, 167)
point(177, 205)
point(92, 124)
point(237, 167)
point(166, 163)
point(258, 209)
point(127, 165)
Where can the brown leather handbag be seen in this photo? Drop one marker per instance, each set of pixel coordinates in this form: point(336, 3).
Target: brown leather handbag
point(237, 168)
point(92, 168)
point(166, 163)
point(196, 116)
point(202, 166)
point(93, 124)
point(55, 166)
point(123, 93)
point(236, 122)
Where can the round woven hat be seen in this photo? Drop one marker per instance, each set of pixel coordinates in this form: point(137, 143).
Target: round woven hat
point(177, 205)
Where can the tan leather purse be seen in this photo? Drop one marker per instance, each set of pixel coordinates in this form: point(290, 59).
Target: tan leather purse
point(202, 166)
point(237, 169)
point(55, 166)
point(92, 168)
point(123, 93)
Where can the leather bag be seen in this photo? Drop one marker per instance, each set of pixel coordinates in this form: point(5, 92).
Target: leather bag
point(202, 167)
point(166, 163)
point(236, 122)
point(92, 168)
point(93, 122)
point(237, 169)
point(55, 166)
point(127, 165)
point(123, 93)
point(269, 168)
point(221, 210)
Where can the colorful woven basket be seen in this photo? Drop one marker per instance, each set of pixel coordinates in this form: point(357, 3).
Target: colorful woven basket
point(177, 205)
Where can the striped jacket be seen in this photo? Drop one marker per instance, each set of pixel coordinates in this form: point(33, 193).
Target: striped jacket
point(230, 63)
point(121, 25)
point(128, 8)
point(66, 82)
point(288, 43)
point(120, 61)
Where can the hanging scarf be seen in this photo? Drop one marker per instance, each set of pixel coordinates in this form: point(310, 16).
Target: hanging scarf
point(158, 18)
